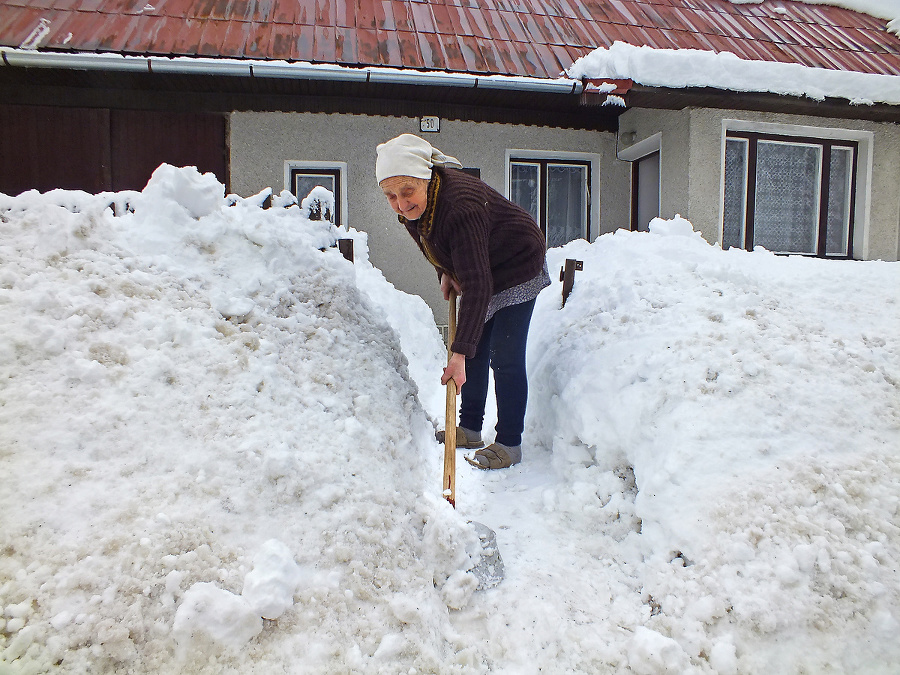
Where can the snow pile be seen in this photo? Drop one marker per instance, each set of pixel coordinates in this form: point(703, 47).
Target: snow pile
point(680, 68)
point(318, 204)
point(216, 438)
point(204, 424)
point(726, 429)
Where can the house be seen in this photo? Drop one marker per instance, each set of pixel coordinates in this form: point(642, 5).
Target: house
point(295, 94)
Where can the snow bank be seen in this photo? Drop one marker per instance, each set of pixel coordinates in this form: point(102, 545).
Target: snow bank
point(206, 423)
point(727, 426)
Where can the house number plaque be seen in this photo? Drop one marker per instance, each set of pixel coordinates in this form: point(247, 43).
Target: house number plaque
point(429, 124)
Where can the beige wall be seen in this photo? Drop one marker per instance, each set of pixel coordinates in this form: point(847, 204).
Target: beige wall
point(674, 153)
point(261, 142)
point(691, 167)
point(691, 151)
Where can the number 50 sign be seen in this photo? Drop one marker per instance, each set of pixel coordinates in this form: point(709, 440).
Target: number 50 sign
point(429, 124)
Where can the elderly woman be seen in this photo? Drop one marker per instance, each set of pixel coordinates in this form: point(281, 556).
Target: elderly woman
point(491, 252)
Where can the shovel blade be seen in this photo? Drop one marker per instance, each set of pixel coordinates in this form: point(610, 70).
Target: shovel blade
point(489, 567)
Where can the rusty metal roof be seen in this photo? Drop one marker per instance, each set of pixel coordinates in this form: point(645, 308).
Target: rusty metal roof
point(537, 38)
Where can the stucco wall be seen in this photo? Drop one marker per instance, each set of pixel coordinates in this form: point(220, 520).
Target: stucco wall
point(674, 153)
point(261, 142)
point(691, 155)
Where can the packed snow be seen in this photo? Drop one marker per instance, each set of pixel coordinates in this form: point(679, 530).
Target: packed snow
point(218, 455)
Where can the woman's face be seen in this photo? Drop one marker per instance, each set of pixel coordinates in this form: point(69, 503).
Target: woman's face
point(408, 196)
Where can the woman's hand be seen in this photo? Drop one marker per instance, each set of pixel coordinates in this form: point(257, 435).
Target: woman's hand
point(447, 283)
point(455, 370)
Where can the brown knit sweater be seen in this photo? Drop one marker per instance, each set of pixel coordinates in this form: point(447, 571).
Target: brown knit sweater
point(483, 240)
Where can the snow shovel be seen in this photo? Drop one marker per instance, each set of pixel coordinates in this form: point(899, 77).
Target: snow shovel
point(489, 567)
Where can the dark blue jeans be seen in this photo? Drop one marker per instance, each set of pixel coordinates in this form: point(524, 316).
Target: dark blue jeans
point(502, 348)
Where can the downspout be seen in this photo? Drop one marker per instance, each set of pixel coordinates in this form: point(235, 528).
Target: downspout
point(280, 69)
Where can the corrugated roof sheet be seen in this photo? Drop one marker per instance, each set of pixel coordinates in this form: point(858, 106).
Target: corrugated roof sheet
point(538, 38)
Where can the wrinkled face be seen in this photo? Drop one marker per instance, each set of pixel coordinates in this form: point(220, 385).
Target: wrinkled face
point(407, 196)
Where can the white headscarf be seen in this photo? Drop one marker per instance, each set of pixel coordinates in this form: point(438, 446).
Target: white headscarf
point(409, 155)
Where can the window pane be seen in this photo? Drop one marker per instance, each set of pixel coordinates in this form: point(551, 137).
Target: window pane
point(787, 197)
point(305, 182)
point(524, 187)
point(566, 203)
point(839, 189)
point(735, 208)
point(647, 190)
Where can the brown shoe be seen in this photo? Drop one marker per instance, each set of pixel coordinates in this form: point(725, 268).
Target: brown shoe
point(496, 456)
point(465, 439)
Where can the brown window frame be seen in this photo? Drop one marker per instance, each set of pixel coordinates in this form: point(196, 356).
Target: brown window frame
point(827, 144)
point(543, 164)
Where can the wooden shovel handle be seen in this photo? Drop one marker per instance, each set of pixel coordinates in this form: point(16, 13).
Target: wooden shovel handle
point(450, 425)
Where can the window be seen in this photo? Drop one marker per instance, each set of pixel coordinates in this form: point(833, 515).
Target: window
point(301, 177)
point(644, 191)
point(789, 194)
point(556, 193)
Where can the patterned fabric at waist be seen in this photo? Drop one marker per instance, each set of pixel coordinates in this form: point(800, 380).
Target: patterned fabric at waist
point(518, 294)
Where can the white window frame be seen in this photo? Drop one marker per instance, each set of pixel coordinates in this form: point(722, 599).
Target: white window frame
point(865, 142)
point(642, 148)
point(592, 158)
point(341, 167)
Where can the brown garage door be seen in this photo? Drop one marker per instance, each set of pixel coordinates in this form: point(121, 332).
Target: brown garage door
point(43, 147)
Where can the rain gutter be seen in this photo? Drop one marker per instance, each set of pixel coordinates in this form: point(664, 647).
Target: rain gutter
point(280, 69)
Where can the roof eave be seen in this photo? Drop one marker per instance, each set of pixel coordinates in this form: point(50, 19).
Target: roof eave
point(665, 98)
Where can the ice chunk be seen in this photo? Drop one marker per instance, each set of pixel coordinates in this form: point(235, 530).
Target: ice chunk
point(269, 587)
point(216, 614)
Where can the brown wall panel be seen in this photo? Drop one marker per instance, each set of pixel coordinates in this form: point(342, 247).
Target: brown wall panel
point(142, 140)
point(96, 150)
point(43, 148)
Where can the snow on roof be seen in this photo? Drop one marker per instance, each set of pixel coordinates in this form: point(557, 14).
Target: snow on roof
point(696, 68)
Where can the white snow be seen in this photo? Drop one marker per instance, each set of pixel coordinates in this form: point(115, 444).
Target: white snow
point(270, 586)
point(209, 613)
point(318, 204)
point(678, 68)
point(217, 450)
point(37, 35)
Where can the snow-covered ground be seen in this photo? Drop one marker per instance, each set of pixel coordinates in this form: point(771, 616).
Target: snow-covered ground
point(217, 455)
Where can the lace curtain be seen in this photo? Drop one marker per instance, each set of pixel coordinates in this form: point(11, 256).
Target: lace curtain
point(839, 193)
point(524, 187)
point(565, 216)
point(787, 197)
point(735, 192)
point(566, 203)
